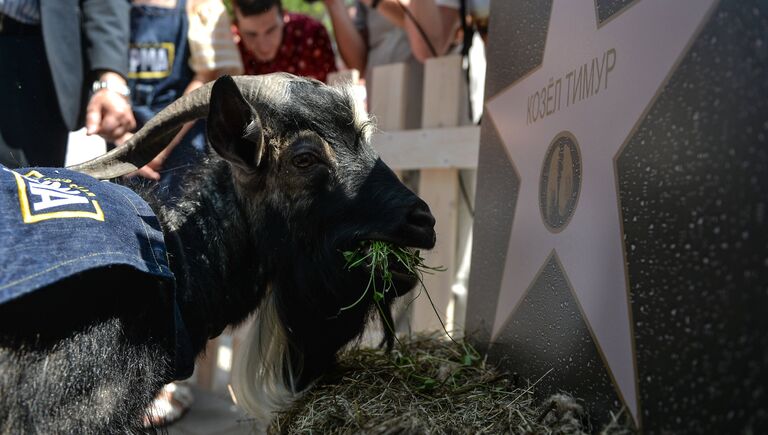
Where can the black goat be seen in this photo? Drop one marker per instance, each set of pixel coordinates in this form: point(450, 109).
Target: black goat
point(259, 229)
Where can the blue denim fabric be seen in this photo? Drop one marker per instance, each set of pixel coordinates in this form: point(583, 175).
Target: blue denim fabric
point(159, 70)
point(55, 223)
point(154, 86)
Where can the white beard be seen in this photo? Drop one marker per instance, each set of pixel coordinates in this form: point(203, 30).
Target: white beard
point(259, 382)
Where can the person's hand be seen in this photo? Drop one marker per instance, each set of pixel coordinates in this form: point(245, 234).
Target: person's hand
point(109, 113)
point(152, 169)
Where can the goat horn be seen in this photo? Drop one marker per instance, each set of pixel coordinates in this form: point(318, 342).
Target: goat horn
point(155, 135)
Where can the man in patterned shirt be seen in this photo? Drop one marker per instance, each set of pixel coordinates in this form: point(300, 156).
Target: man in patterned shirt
point(271, 40)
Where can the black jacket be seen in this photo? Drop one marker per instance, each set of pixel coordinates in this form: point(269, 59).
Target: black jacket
point(82, 37)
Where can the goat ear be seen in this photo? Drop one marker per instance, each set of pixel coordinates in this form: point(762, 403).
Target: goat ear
point(234, 127)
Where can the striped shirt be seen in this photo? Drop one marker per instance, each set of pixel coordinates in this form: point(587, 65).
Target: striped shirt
point(210, 38)
point(23, 11)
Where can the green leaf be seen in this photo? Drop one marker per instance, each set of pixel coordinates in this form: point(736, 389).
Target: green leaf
point(376, 255)
point(468, 359)
point(428, 384)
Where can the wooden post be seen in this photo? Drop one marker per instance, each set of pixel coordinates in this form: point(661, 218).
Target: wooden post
point(395, 103)
point(395, 98)
point(346, 77)
point(205, 368)
point(444, 106)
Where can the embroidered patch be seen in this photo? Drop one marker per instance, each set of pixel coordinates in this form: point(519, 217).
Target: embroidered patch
point(42, 198)
point(150, 61)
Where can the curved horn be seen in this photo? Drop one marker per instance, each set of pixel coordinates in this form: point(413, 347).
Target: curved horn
point(155, 135)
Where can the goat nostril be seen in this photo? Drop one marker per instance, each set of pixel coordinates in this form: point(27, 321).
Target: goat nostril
point(421, 217)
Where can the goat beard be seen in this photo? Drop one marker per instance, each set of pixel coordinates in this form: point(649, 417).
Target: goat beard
point(258, 373)
point(265, 379)
point(269, 371)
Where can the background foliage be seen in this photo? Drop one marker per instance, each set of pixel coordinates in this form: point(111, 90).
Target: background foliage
point(314, 9)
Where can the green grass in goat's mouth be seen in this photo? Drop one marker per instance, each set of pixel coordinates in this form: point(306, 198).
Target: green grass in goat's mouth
point(378, 256)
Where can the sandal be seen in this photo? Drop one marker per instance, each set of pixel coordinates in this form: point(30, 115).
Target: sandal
point(170, 404)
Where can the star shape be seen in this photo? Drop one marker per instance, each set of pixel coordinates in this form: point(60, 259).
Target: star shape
point(629, 59)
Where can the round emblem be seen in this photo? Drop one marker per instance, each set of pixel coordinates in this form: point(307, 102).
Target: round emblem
point(560, 182)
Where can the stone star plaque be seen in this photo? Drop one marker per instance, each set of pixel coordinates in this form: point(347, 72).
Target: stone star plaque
point(623, 159)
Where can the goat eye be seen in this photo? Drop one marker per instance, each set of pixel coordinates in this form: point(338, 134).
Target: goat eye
point(304, 160)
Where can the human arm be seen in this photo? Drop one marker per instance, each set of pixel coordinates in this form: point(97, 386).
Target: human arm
point(351, 43)
point(109, 112)
point(105, 27)
point(152, 169)
point(427, 15)
point(439, 23)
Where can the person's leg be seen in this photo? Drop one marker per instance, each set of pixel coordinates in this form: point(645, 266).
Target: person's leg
point(173, 401)
point(32, 132)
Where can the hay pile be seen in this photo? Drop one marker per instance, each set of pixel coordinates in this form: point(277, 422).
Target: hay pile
point(428, 385)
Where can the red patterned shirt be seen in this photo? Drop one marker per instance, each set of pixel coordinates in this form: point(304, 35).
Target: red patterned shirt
point(305, 51)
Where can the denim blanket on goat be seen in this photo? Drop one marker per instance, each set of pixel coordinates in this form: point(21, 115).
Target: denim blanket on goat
point(55, 223)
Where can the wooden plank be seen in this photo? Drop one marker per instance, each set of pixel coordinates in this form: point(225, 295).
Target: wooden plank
point(387, 99)
point(395, 103)
point(395, 98)
point(346, 77)
point(438, 148)
point(205, 369)
point(444, 106)
point(445, 93)
point(438, 187)
point(457, 310)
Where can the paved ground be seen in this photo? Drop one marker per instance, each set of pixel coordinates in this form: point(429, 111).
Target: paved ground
point(212, 415)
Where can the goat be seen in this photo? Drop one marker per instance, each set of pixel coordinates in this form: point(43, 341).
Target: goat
point(258, 230)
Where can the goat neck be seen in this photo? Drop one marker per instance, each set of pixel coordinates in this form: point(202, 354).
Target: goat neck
point(211, 253)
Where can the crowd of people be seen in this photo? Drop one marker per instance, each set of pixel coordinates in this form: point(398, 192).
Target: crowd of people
point(111, 65)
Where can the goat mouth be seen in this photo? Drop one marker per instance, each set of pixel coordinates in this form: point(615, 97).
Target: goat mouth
point(404, 281)
point(397, 266)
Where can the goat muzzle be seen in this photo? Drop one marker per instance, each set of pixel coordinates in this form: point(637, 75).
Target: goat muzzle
point(420, 226)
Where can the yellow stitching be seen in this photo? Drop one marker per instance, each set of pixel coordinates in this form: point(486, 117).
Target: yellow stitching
point(42, 272)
